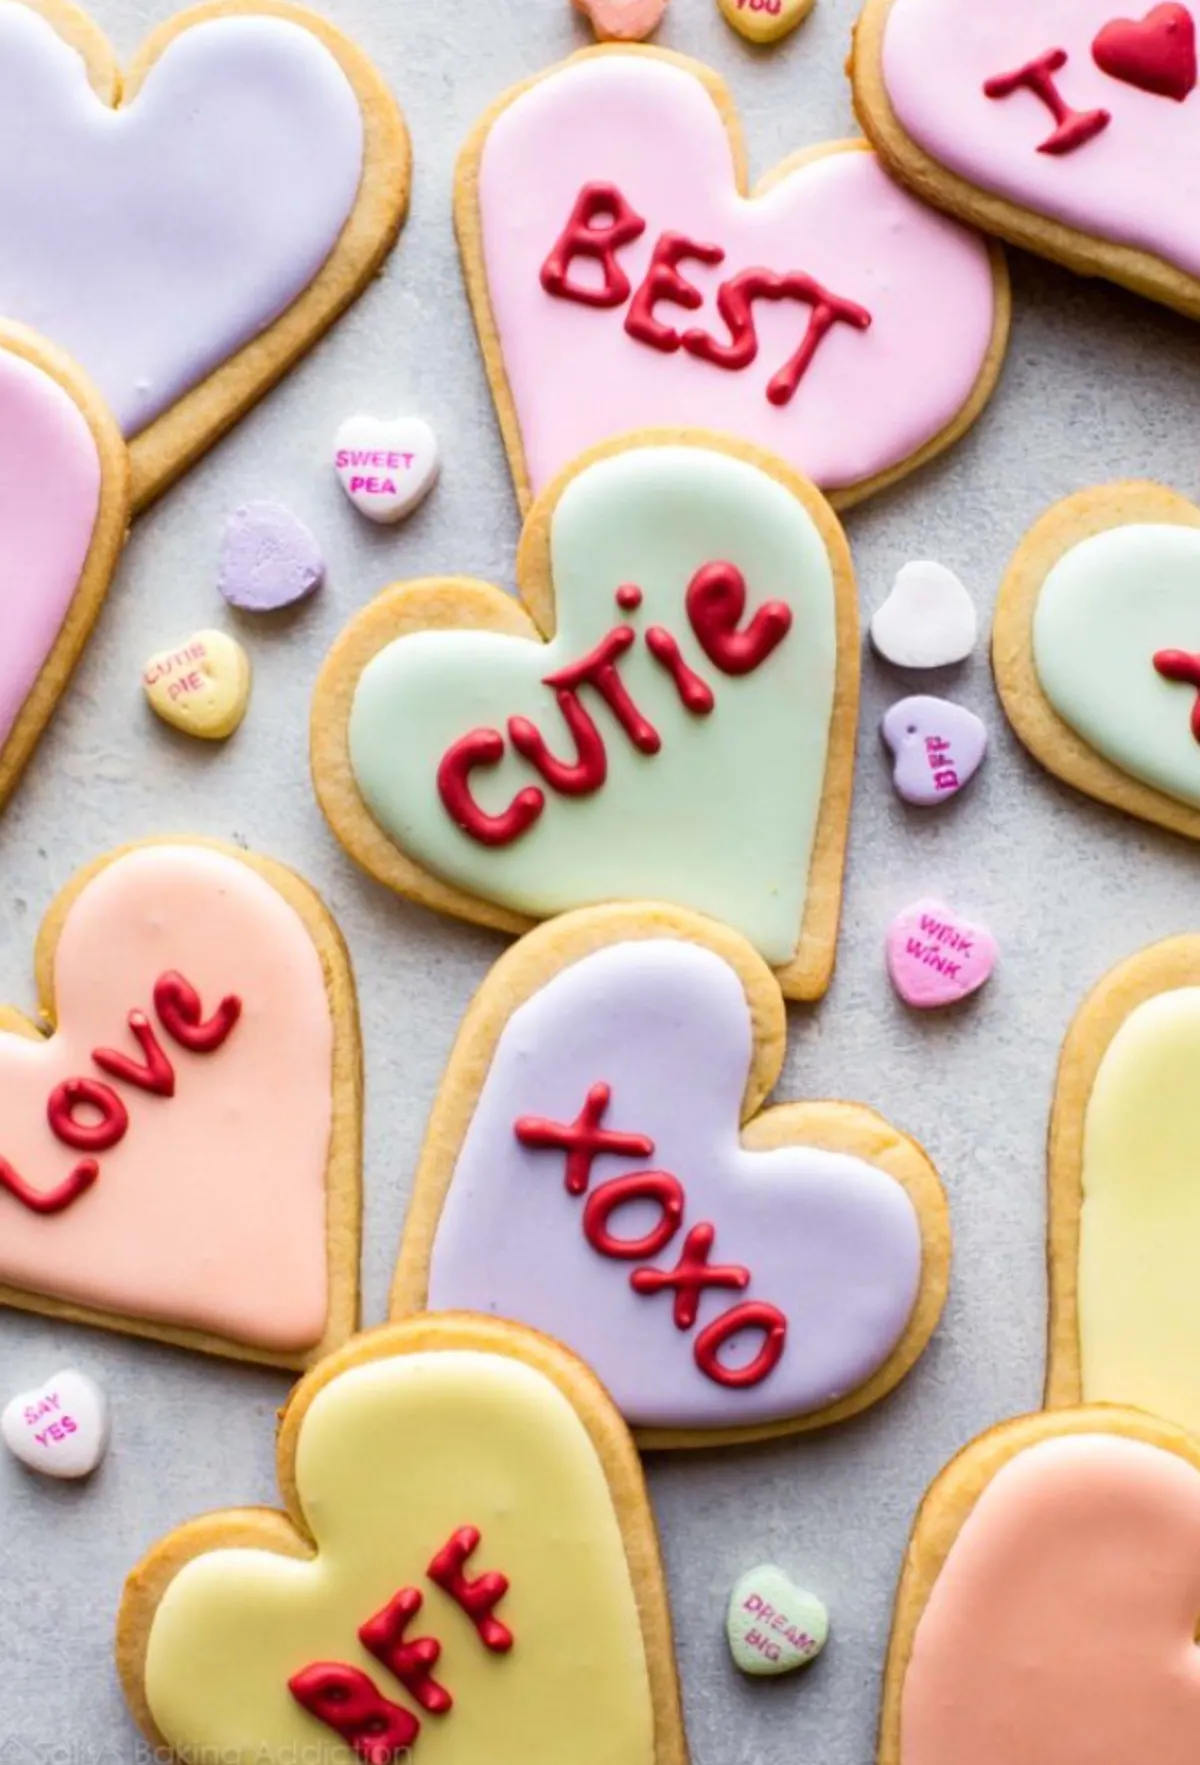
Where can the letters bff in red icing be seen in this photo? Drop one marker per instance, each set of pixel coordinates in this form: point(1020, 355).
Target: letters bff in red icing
point(347, 1700)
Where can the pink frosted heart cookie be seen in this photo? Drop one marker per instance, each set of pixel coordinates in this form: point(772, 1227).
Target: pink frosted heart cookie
point(936, 957)
point(179, 1156)
point(622, 278)
point(1051, 123)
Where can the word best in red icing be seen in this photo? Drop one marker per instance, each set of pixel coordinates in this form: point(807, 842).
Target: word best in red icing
point(602, 224)
point(695, 1272)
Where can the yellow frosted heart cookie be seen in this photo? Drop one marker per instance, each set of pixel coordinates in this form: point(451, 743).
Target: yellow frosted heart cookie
point(203, 687)
point(467, 1570)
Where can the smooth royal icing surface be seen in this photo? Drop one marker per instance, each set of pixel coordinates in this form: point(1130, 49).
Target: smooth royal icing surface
point(209, 1213)
point(939, 54)
point(1061, 1630)
point(49, 499)
point(868, 400)
point(151, 242)
point(393, 1457)
point(1139, 1300)
point(723, 817)
point(1107, 608)
point(830, 1241)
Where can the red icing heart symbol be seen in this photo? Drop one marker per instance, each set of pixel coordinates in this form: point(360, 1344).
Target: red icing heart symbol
point(1156, 54)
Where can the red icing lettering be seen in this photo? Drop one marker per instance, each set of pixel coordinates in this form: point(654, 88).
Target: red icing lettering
point(478, 1598)
point(695, 694)
point(153, 1072)
point(629, 596)
point(87, 1136)
point(347, 1700)
point(483, 747)
point(750, 1315)
point(1179, 665)
point(181, 1015)
point(691, 1276)
point(571, 778)
point(735, 302)
point(716, 601)
point(583, 1140)
point(49, 1201)
point(412, 1663)
point(598, 669)
point(663, 282)
point(584, 236)
point(660, 1187)
point(1073, 128)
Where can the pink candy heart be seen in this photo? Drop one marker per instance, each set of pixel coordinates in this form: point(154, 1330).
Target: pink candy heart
point(936, 957)
point(622, 21)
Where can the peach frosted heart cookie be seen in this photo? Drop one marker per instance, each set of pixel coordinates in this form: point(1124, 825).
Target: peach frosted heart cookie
point(622, 275)
point(467, 1568)
point(180, 1154)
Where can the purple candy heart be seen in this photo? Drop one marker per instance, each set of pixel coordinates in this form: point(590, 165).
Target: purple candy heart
point(269, 559)
point(938, 748)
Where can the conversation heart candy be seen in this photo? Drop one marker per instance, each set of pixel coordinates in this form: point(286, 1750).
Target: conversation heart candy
point(764, 21)
point(936, 957)
point(386, 465)
point(773, 1626)
point(927, 621)
point(59, 1428)
point(268, 560)
point(938, 748)
point(622, 21)
point(202, 687)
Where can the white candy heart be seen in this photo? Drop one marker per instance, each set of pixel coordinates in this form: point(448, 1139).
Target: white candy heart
point(928, 620)
point(773, 1626)
point(386, 465)
point(60, 1428)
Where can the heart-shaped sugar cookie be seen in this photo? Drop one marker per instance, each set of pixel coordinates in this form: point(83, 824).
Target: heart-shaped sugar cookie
point(1048, 122)
point(1124, 1201)
point(467, 1569)
point(685, 733)
point(188, 229)
point(179, 1158)
point(64, 510)
point(1096, 648)
point(595, 1168)
point(621, 277)
point(1048, 1609)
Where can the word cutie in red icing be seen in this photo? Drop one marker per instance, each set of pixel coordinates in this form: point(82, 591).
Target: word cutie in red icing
point(716, 604)
point(586, 1139)
point(348, 1701)
point(90, 1116)
point(600, 226)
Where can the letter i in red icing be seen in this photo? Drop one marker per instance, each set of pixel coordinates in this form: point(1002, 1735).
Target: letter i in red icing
point(478, 1598)
point(1073, 128)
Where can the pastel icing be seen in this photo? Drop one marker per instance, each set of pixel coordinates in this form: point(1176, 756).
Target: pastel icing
point(939, 54)
point(210, 1213)
point(829, 1240)
point(723, 818)
point(1062, 1625)
point(50, 476)
point(204, 206)
point(869, 398)
point(1138, 1301)
point(393, 1457)
point(1105, 610)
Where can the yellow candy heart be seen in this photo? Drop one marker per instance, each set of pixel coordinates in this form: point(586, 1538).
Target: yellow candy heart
point(203, 687)
point(764, 21)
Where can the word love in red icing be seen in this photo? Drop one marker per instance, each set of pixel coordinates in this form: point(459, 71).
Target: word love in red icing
point(583, 1141)
point(90, 1116)
point(715, 602)
point(602, 224)
point(348, 1701)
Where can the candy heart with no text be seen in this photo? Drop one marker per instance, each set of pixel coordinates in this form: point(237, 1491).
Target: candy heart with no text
point(927, 621)
point(772, 1625)
point(622, 21)
point(386, 465)
point(60, 1428)
point(269, 559)
point(935, 957)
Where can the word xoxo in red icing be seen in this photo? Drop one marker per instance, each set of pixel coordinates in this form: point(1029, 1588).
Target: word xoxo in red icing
point(583, 1141)
point(347, 1700)
point(602, 224)
point(177, 1004)
point(715, 601)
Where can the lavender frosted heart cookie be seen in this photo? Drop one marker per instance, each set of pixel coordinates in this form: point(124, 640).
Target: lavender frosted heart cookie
point(598, 1167)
